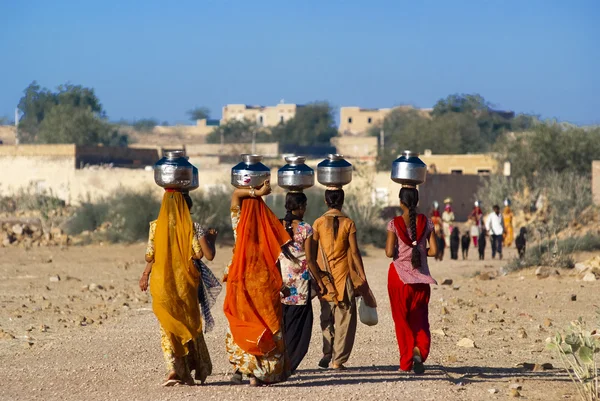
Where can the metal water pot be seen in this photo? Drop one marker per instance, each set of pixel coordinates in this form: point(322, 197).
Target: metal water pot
point(334, 171)
point(408, 169)
point(295, 176)
point(174, 171)
point(250, 172)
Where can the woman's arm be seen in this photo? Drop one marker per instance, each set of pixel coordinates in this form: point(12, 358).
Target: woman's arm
point(356, 256)
point(432, 251)
point(312, 264)
point(390, 244)
point(146, 276)
point(240, 194)
point(208, 248)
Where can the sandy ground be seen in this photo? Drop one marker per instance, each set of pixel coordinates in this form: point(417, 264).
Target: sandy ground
point(71, 340)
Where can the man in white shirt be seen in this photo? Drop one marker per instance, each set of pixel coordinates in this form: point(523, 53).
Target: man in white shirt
point(495, 227)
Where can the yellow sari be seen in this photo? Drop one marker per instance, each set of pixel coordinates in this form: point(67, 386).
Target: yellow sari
point(174, 288)
point(508, 226)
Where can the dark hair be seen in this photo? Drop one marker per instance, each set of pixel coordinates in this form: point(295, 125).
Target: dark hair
point(335, 200)
point(409, 197)
point(293, 201)
point(496, 207)
point(188, 200)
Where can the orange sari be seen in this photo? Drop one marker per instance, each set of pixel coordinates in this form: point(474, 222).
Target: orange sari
point(253, 303)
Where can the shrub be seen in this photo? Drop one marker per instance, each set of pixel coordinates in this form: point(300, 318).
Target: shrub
point(30, 199)
point(556, 253)
point(211, 210)
point(127, 213)
point(578, 352)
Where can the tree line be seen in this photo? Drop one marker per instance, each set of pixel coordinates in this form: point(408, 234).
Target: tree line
point(458, 124)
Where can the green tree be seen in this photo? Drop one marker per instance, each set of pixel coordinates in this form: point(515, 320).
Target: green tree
point(145, 124)
point(76, 107)
point(313, 124)
point(199, 113)
point(549, 148)
point(235, 131)
point(66, 123)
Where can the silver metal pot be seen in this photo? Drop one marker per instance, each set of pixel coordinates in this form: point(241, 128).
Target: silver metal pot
point(250, 172)
point(295, 176)
point(408, 169)
point(334, 171)
point(174, 171)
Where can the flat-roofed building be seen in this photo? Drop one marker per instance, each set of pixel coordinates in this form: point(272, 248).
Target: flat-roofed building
point(266, 116)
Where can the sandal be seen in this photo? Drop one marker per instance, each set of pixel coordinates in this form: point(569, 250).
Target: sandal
point(418, 367)
point(171, 383)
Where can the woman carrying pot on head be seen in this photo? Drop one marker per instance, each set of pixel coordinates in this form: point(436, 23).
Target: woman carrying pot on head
point(409, 280)
point(334, 240)
point(476, 218)
point(296, 273)
point(173, 247)
point(255, 343)
point(508, 216)
point(448, 220)
point(436, 219)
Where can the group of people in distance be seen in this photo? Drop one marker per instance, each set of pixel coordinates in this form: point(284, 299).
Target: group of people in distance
point(496, 225)
point(278, 266)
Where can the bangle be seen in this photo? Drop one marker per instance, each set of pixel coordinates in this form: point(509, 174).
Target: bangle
point(252, 193)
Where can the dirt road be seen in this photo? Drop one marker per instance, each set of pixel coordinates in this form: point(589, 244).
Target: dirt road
point(91, 334)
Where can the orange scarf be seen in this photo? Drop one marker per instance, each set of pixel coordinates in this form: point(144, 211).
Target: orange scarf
point(252, 303)
point(174, 279)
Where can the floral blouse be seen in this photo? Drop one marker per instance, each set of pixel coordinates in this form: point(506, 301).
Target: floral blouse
point(296, 276)
point(199, 232)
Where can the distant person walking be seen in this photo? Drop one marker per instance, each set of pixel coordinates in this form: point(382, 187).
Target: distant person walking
point(448, 220)
point(508, 224)
point(409, 280)
point(436, 219)
point(495, 227)
point(476, 219)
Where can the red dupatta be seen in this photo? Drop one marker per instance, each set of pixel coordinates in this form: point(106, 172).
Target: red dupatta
point(402, 231)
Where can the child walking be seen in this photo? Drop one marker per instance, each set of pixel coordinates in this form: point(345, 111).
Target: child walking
point(409, 280)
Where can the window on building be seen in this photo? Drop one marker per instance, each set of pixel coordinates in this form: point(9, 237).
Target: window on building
point(484, 172)
point(349, 120)
point(261, 120)
point(456, 172)
point(281, 119)
point(370, 120)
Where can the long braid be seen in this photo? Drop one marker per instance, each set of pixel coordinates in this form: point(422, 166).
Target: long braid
point(409, 197)
point(416, 253)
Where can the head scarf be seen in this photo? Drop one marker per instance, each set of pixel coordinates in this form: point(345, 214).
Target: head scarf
point(252, 303)
point(174, 279)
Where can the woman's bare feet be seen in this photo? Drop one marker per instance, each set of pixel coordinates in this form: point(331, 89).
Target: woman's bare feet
point(172, 379)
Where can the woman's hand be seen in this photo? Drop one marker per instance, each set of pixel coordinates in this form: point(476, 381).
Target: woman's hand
point(212, 235)
point(285, 291)
point(144, 281)
point(146, 276)
point(264, 189)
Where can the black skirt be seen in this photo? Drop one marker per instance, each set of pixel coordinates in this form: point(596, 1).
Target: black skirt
point(298, 321)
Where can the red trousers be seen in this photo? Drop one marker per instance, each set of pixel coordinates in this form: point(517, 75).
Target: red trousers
point(410, 310)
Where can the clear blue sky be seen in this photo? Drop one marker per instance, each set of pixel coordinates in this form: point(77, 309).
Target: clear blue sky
point(158, 59)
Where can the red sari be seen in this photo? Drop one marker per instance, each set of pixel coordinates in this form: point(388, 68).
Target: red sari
point(410, 301)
